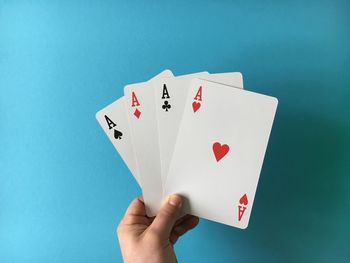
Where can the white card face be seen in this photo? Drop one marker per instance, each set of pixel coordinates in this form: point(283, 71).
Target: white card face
point(170, 99)
point(140, 109)
point(220, 150)
point(114, 122)
point(234, 79)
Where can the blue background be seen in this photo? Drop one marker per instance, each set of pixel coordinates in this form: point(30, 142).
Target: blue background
point(63, 188)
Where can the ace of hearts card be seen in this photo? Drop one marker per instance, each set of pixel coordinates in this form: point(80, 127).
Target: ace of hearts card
point(219, 151)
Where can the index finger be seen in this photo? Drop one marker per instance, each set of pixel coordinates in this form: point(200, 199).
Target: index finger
point(136, 207)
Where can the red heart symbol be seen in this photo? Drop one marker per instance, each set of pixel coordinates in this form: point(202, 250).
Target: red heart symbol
point(220, 150)
point(195, 106)
point(243, 200)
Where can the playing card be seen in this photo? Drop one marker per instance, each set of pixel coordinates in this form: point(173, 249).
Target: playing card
point(234, 79)
point(219, 151)
point(170, 99)
point(140, 109)
point(114, 122)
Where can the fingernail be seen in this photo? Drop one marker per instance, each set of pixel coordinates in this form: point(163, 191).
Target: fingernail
point(174, 200)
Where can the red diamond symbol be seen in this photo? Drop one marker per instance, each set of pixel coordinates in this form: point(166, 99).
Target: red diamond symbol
point(137, 113)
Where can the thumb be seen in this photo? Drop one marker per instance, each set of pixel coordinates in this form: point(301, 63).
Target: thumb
point(167, 216)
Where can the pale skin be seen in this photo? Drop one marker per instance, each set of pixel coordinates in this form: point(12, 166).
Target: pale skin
point(144, 239)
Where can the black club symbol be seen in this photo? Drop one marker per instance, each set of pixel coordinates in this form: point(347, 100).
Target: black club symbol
point(166, 106)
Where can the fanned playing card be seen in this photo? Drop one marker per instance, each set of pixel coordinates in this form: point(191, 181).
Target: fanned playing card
point(114, 122)
point(219, 151)
point(170, 99)
point(140, 110)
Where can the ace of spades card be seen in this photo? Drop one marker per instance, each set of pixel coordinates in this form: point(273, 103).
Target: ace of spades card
point(114, 122)
point(219, 151)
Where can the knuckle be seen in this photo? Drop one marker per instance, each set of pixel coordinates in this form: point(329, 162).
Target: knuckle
point(128, 220)
point(119, 229)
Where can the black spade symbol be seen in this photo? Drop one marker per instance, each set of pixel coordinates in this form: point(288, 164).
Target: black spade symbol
point(118, 134)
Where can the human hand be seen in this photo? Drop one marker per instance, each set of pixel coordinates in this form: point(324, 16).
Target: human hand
point(144, 239)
